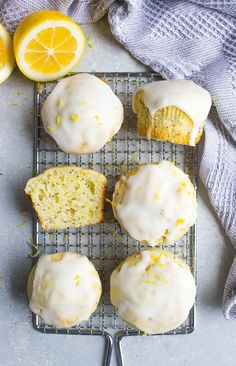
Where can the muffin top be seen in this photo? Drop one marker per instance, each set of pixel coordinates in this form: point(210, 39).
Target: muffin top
point(64, 289)
point(153, 290)
point(155, 203)
point(183, 94)
point(82, 113)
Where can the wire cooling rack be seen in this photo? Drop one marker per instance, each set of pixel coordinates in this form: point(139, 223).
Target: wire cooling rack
point(106, 244)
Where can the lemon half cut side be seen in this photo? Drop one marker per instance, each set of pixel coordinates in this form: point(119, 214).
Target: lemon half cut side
point(48, 45)
point(7, 60)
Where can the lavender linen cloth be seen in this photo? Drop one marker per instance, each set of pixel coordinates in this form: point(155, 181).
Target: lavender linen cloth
point(179, 39)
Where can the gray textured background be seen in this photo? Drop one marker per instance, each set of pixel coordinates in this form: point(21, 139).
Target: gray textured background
point(212, 343)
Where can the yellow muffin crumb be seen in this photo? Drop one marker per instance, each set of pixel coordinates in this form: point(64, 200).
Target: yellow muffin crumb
point(67, 197)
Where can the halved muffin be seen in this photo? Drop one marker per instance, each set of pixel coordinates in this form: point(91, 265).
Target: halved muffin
point(67, 196)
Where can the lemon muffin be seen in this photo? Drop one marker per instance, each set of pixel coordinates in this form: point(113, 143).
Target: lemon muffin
point(67, 196)
point(155, 203)
point(64, 289)
point(173, 111)
point(82, 114)
point(153, 291)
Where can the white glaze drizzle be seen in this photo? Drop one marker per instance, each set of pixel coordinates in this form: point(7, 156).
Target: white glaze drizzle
point(183, 94)
point(82, 113)
point(154, 298)
point(157, 198)
point(65, 292)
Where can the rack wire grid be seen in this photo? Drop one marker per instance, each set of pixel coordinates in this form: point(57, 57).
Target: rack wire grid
point(106, 244)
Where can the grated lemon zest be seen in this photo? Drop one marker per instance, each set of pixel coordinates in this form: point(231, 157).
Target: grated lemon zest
point(82, 104)
point(75, 117)
point(50, 128)
point(162, 279)
point(151, 282)
point(90, 41)
point(180, 221)
point(61, 103)
point(111, 203)
point(22, 224)
point(58, 120)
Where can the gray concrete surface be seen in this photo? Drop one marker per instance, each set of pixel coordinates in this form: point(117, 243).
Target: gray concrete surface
point(214, 341)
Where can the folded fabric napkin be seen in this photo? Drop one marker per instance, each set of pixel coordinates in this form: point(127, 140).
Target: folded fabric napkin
point(179, 39)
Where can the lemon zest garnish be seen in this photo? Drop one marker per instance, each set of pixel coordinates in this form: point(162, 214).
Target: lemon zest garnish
point(156, 259)
point(180, 221)
point(122, 169)
point(111, 203)
point(30, 242)
point(76, 278)
point(82, 104)
point(75, 117)
point(115, 234)
point(58, 120)
point(97, 117)
point(183, 184)
point(157, 196)
point(22, 224)
point(134, 157)
point(50, 128)
point(90, 41)
point(151, 282)
point(179, 254)
point(162, 279)
point(61, 103)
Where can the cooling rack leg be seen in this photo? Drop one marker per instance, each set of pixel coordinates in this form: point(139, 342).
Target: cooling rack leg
point(118, 349)
point(108, 349)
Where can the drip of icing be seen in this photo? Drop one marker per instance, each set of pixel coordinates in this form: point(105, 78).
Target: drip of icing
point(154, 297)
point(183, 94)
point(88, 110)
point(66, 289)
point(158, 200)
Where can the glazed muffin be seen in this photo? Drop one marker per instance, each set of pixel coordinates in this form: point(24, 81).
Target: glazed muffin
point(82, 114)
point(155, 203)
point(64, 289)
point(67, 196)
point(153, 291)
point(173, 111)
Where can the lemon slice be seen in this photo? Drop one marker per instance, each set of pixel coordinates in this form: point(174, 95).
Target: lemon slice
point(48, 45)
point(6, 55)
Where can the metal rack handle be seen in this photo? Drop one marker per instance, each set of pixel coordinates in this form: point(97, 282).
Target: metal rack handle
point(108, 349)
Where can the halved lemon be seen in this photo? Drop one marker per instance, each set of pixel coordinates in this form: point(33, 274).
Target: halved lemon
point(48, 45)
point(6, 55)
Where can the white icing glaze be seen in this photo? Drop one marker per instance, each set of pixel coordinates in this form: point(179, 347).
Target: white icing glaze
point(153, 296)
point(82, 113)
point(157, 198)
point(183, 94)
point(65, 292)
